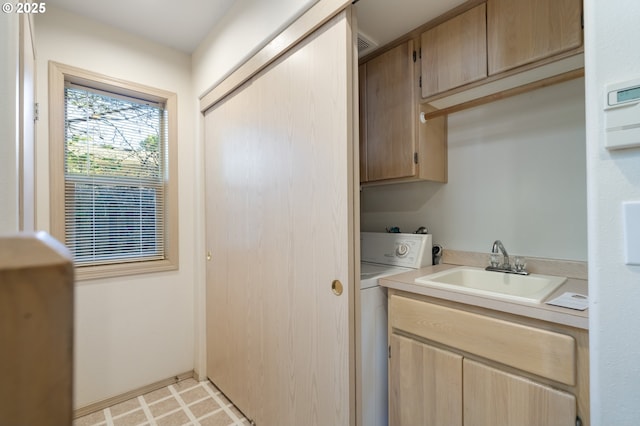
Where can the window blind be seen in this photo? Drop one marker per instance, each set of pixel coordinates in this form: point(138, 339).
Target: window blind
point(115, 172)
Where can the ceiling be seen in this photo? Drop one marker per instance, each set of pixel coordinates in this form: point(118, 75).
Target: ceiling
point(183, 24)
point(180, 24)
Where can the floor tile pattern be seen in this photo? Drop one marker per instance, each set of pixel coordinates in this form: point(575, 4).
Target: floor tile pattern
point(186, 403)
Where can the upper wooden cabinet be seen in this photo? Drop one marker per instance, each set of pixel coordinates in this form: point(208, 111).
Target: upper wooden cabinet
point(454, 53)
point(524, 31)
point(486, 52)
point(394, 145)
point(390, 114)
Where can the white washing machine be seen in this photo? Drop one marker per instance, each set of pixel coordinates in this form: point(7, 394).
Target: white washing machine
point(382, 254)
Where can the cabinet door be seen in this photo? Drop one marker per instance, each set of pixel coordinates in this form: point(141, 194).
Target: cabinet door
point(496, 398)
point(455, 52)
point(425, 384)
point(390, 106)
point(523, 31)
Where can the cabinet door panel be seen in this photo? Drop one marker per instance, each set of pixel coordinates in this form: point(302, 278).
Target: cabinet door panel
point(523, 31)
point(455, 52)
point(425, 384)
point(390, 116)
point(495, 398)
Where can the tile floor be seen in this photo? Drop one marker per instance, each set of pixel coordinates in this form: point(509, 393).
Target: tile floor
point(188, 403)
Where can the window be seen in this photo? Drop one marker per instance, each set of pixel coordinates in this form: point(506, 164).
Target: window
point(113, 180)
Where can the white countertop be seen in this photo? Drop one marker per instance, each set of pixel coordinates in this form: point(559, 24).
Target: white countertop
point(570, 317)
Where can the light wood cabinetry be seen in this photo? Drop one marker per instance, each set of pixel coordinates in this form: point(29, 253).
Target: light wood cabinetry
point(36, 331)
point(493, 398)
point(485, 52)
point(426, 388)
point(524, 31)
point(393, 145)
point(454, 53)
point(489, 368)
point(390, 114)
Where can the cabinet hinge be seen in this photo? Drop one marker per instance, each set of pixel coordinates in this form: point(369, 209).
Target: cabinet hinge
point(420, 81)
point(582, 20)
point(420, 53)
point(36, 111)
point(414, 56)
point(389, 351)
point(415, 158)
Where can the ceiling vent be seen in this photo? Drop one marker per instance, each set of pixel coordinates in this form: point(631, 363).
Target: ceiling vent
point(365, 45)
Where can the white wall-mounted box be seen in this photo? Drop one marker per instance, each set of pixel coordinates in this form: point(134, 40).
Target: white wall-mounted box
point(622, 115)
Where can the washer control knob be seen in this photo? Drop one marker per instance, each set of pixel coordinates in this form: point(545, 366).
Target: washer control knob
point(402, 250)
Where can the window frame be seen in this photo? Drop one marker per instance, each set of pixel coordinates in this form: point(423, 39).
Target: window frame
point(58, 74)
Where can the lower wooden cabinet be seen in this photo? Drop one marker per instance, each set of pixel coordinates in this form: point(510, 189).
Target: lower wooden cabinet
point(450, 366)
point(425, 384)
point(494, 398)
point(432, 386)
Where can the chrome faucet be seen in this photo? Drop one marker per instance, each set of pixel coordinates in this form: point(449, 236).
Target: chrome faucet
point(497, 245)
point(518, 268)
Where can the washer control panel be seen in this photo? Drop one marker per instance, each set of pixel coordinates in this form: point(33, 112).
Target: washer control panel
point(397, 249)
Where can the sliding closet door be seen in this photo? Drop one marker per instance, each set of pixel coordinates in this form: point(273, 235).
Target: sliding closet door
point(280, 218)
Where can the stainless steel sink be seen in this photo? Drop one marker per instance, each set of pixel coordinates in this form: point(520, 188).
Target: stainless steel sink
point(533, 288)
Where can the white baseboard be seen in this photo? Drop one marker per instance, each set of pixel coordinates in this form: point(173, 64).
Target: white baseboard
point(101, 405)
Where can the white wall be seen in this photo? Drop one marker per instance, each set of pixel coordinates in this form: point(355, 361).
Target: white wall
point(517, 173)
point(131, 331)
point(611, 40)
point(245, 29)
point(9, 42)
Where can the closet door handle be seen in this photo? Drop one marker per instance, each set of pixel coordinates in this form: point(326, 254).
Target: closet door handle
point(336, 287)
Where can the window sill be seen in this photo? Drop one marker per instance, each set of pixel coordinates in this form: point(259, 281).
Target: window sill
point(83, 273)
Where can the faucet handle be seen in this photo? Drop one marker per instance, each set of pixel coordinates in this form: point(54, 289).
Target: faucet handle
point(495, 259)
point(519, 263)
